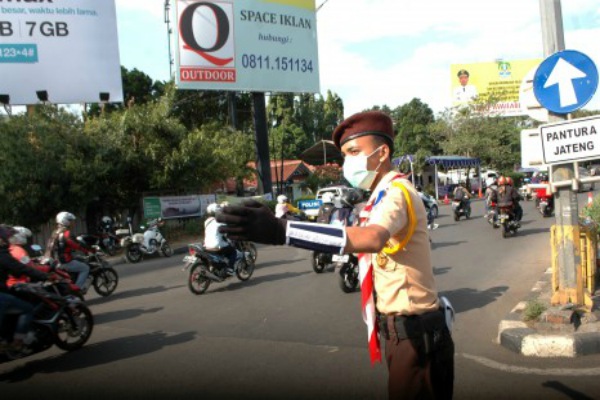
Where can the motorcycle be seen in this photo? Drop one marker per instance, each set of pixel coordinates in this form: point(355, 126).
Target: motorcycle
point(461, 208)
point(206, 267)
point(149, 243)
point(507, 221)
point(243, 246)
point(109, 241)
point(102, 277)
point(65, 322)
point(348, 265)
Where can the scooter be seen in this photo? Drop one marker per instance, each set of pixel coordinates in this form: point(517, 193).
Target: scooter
point(461, 208)
point(506, 219)
point(149, 243)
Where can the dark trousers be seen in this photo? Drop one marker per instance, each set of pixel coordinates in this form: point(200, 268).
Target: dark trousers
point(415, 373)
point(10, 304)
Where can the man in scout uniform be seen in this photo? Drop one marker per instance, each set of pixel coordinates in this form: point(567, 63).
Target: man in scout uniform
point(399, 299)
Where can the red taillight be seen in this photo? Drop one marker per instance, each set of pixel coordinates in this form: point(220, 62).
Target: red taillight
point(192, 251)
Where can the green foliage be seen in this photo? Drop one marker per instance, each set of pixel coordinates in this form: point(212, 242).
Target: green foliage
point(47, 165)
point(533, 310)
point(593, 212)
point(324, 175)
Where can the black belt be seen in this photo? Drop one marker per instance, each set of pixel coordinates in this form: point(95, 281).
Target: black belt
point(411, 326)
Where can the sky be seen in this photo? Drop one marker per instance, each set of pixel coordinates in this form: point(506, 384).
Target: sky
point(375, 52)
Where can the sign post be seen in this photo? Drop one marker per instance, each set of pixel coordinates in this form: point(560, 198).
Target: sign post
point(559, 87)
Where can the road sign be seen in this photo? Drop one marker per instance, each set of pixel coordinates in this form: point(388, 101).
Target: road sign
point(574, 140)
point(565, 81)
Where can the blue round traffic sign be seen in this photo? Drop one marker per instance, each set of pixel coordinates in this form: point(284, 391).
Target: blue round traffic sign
point(565, 81)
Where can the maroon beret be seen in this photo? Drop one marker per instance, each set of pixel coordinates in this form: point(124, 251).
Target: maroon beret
point(375, 123)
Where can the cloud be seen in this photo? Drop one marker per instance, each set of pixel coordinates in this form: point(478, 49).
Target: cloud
point(155, 7)
point(461, 31)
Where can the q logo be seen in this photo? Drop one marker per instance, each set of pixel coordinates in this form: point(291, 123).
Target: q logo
point(206, 30)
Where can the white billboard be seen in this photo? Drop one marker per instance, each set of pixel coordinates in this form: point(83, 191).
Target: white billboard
point(250, 45)
point(61, 51)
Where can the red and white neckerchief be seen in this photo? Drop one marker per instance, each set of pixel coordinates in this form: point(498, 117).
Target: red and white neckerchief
point(365, 267)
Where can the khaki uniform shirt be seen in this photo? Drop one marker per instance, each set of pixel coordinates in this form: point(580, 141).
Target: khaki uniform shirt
point(405, 284)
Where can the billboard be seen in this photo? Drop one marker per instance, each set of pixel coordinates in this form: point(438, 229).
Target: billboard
point(499, 81)
point(250, 45)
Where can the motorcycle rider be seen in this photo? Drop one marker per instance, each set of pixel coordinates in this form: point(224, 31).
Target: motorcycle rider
point(326, 208)
point(61, 246)
point(283, 207)
point(215, 241)
point(342, 214)
point(10, 304)
point(462, 194)
point(507, 196)
point(490, 194)
point(518, 210)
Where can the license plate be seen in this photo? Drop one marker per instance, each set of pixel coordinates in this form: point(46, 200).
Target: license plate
point(189, 259)
point(338, 258)
point(543, 203)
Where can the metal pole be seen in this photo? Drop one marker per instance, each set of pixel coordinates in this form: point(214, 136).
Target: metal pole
point(566, 241)
point(435, 178)
point(263, 165)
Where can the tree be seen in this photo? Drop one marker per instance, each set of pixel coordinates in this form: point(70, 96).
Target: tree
point(48, 165)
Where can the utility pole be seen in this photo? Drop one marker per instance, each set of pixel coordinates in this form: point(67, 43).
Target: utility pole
point(263, 164)
point(566, 230)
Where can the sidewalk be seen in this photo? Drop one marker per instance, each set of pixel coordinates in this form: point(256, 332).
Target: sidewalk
point(558, 332)
point(179, 246)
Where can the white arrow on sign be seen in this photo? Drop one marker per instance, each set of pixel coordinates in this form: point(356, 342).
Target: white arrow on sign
point(563, 75)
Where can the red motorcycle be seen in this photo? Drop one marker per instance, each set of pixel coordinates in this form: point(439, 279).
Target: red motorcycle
point(506, 220)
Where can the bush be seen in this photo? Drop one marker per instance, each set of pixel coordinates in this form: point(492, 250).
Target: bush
point(591, 214)
point(533, 310)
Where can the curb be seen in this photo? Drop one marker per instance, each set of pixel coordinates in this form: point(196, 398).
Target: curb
point(517, 336)
point(114, 261)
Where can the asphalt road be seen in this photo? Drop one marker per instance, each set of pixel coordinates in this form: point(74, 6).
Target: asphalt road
point(291, 333)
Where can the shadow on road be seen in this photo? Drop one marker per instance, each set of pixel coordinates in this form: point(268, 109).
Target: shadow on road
point(441, 270)
point(527, 232)
point(467, 299)
point(279, 262)
point(106, 352)
point(119, 315)
point(131, 293)
point(562, 388)
point(261, 279)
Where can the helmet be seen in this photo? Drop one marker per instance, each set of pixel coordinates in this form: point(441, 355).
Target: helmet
point(65, 218)
point(106, 220)
point(350, 198)
point(502, 181)
point(212, 208)
point(20, 236)
point(6, 232)
point(282, 198)
point(509, 181)
point(327, 197)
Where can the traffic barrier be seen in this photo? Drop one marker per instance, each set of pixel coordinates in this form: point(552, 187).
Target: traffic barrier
point(446, 201)
point(590, 199)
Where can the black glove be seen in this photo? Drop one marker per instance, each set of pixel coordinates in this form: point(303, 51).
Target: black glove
point(253, 222)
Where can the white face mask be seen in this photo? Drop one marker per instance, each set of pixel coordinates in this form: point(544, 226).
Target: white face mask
point(356, 172)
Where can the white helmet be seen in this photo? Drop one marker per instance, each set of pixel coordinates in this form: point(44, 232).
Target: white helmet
point(64, 218)
point(327, 197)
point(106, 220)
point(20, 236)
point(212, 208)
point(282, 198)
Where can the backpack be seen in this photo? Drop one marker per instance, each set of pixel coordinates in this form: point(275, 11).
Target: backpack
point(459, 194)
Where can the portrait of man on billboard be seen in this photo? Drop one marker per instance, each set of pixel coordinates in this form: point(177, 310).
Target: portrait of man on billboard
point(464, 92)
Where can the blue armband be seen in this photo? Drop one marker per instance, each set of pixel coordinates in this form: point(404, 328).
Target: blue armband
point(323, 238)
